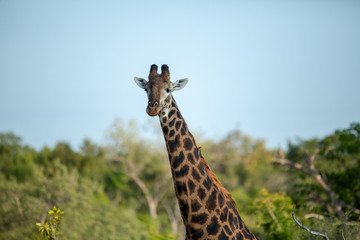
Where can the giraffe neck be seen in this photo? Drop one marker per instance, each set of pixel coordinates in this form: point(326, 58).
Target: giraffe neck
point(207, 209)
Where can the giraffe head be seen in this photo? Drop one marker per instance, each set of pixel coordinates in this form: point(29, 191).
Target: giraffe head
point(159, 89)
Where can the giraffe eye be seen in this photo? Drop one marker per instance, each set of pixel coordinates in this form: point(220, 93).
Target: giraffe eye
point(168, 90)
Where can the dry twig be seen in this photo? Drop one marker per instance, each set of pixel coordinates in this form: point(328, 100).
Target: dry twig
point(307, 229)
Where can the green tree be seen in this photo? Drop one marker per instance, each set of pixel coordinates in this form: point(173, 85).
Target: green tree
point(325, 176)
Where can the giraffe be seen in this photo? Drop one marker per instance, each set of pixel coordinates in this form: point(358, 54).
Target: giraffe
point(207, 209)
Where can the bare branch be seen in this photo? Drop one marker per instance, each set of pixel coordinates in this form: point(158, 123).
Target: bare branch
point(307, 229)
point(342, 234)
point(18, 203)
point(297, 166)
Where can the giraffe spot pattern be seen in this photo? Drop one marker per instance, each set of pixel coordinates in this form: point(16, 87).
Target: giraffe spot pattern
point(201, 168)
point(174, 144)
point(231, 221)
point(171, 123)
point(222, 236)
point(180, 187)
point(171, 113)
point(213, 227)
point(191, 186)
point(217, 212)
point(201, 193)
point(190, 157)
point(221, 199)
point(164, 119)
point(184, 207)
point(177, 161)
point(195, 205)
point(183, 131)
point(227, 229)
point(196, 233)
point(188, 144)
point(224, 214)
point(182, 172)
point(177, 125)
point(211, 201)
point(195, 174)
point(239, 236)
point(207, 183)
point(172, 133)
point(165, 130)
point(199, 218)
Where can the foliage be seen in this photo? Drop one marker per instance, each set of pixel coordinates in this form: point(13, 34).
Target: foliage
point(329, 187)
point(273, 215)
point(123, 188)
point(50, 229)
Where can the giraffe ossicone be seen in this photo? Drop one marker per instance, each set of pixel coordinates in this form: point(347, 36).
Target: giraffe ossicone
point(207, 209)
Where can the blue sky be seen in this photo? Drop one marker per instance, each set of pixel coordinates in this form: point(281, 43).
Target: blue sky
point(276, 70)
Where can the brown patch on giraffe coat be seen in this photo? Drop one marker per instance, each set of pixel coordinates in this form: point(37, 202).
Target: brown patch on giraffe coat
point(222, 236)
point(195, 174)
point(224, 214)
point(182, 172)
point(177, 125)
point(201, 193)
point(213, 227)
point(227, 229)
point(184, 207)
point(188, 144)
point(190, 157)
point(196, 233)
point(165, 130)
point(174, 144)
point(239, 236)
point(180, 187)
point(177, 161)
point(191, 186)
point(171, 113)
point(200, 218)
point(183, 131)
point(207, 183)
point(231, 221)
point(171, 123)
point(211, 201)
point(195, 205)
point(221, 200)
point(172, 133)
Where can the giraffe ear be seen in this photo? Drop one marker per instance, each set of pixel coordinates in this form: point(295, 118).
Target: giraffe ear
point(180, 84)
point(140, 82)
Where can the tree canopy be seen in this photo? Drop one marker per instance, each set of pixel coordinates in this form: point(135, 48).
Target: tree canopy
point(123, 189)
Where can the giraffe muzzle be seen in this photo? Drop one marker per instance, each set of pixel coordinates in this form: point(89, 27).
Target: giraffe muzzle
point(153, 108)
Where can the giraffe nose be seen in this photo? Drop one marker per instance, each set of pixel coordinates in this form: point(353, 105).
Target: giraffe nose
point(153, 103)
